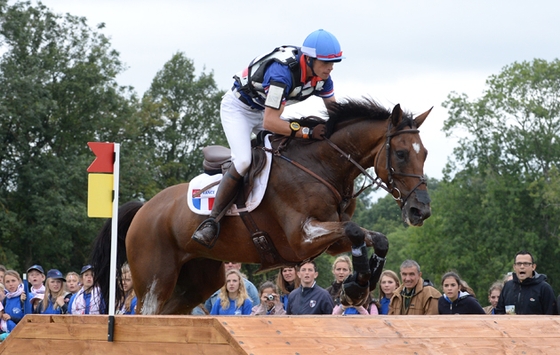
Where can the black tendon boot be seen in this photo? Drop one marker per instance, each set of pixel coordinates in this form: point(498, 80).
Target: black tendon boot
point(208, 231)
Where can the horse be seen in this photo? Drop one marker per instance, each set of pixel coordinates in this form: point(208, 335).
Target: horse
point(306, 209)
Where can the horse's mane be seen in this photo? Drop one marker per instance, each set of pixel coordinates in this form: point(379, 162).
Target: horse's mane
point(365, 108)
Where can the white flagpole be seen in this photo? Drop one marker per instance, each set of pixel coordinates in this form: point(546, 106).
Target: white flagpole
point(114, 239)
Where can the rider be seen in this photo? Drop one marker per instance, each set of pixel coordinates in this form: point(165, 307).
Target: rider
point(256, 101)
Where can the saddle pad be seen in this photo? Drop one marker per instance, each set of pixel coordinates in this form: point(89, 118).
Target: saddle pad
point(202, 204)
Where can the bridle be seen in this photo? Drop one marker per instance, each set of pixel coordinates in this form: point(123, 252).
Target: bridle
point(390, 186)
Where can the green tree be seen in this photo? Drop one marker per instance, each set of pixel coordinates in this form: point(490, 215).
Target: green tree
point(502, 196)
point(183, 112)
point(57, 92)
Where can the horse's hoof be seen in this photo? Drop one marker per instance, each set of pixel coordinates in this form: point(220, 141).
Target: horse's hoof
point(355, 234)
point(380, 243)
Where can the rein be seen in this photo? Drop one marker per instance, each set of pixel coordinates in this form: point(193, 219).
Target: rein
point(389, 187)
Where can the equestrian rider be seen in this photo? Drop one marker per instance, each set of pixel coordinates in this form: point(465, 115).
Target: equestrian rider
point(256, 101)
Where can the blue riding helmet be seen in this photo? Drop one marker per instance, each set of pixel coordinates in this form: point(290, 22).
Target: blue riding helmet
point(322, 45)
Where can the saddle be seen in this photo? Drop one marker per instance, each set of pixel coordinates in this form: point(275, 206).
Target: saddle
point(217, 160)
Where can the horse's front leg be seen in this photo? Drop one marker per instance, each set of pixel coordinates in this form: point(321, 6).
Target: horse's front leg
point(377, 240)
point(366, 273)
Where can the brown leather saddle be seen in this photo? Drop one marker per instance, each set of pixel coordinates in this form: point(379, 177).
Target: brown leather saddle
point(217, 160)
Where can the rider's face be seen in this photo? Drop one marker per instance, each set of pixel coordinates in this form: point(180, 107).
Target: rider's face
point(323, 69)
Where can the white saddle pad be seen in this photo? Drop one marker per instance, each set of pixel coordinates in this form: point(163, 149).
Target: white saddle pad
point(202, 204)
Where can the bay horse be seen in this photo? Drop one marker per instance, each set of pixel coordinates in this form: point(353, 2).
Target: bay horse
point(305, 211)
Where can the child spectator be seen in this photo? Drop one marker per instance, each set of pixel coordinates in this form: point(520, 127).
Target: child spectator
point(388, 283)
point(88, 299)
point(36, 278)
point(3, 323)
point(455, 299)
point(233, 298)
point(14, 301)
point(34, 301)
point(270, 301)
point(493, 297)
point(2, 273)
point(127, 305)
point(55, 300)
point(73, 282)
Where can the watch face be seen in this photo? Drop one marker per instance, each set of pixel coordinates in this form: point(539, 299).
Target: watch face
point(305, 130)
point(294, 126)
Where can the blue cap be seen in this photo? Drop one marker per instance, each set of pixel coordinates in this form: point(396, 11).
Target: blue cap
point(86, 268)
point(38, 268)
point(55, 274)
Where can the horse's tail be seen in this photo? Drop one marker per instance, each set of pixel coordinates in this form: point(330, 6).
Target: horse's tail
point(101, 251)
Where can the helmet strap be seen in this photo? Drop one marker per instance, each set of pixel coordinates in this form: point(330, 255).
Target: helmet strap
point(310, 62)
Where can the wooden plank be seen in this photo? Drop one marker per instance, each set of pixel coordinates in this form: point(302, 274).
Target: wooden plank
point(428, 345)
point(303, 335)
point(395, 326)
point(42, 346)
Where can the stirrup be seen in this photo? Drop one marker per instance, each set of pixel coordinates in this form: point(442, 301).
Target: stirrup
point(201, 234)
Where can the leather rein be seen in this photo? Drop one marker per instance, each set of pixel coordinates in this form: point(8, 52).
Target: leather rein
point(389, 187)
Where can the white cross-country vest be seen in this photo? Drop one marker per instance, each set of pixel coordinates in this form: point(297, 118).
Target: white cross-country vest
point(250, 80)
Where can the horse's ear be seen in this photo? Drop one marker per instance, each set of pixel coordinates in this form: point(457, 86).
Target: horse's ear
point(420, 119)
point(396, 115)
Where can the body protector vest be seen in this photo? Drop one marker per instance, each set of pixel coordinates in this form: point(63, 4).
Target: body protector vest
point(250, 80)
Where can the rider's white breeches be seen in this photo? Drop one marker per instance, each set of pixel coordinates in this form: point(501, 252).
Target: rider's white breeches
point(238, 121)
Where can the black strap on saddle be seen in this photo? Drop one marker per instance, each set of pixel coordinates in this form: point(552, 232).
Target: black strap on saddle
point(264, 245)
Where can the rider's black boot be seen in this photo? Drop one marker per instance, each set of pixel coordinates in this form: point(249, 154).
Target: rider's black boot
point(208, 231)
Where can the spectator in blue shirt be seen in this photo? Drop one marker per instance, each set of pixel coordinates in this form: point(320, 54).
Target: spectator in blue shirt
point(388, 283)
point(233, 299)
point(55, 300)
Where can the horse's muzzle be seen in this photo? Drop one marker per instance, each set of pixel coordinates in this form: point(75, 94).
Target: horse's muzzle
point(417, 208)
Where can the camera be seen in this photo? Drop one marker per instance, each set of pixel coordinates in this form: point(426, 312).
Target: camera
point(270, 297)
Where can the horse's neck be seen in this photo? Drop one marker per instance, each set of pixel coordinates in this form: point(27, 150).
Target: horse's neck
point(361, 141)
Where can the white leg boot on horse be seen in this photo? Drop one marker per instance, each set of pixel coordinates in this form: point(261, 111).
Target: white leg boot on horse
point(208, 231)
point(355, 288)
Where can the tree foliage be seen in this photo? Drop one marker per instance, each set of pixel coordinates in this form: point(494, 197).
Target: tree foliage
point(184, 112)
point(57, 92)
point(503, 197)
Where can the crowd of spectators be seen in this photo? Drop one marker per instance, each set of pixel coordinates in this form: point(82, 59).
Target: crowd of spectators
point(294, 292)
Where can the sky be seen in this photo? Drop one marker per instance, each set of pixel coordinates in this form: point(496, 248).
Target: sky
point(410, 52)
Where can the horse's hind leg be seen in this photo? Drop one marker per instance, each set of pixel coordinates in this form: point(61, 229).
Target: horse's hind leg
point(198, 279)
point(154, 272)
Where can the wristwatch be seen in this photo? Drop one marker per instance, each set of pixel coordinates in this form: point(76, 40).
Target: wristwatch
point(295, 126)
point(305, 131)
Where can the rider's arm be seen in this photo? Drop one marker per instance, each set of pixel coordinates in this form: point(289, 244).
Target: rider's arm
point(273, 122)
point(329, 99)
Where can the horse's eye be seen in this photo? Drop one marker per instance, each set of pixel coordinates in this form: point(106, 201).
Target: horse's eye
point(401, 154)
